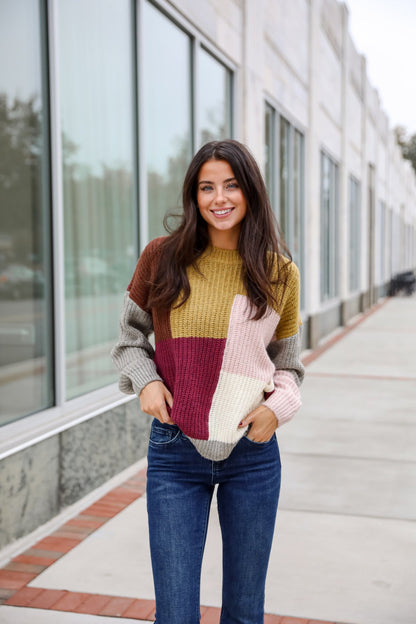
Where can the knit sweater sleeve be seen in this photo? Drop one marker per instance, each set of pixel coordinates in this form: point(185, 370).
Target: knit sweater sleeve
point(284, 351)
point(133, 354)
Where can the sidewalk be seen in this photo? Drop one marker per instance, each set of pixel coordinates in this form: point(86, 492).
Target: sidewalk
point(345, 546)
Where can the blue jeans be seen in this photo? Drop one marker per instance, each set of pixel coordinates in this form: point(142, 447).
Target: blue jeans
point(180, 485)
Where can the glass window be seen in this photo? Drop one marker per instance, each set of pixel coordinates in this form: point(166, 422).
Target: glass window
point(95, 67)
point(26, 328)
point(285, 180)
point(390, 216)
point(329, 227)
point(214, 99)
point(381, 221)
point(284, 168)
point(325, 228)
point(167, 114)
point(269, 150)
point(355, 233)
point(297, 194)
point(396, 243)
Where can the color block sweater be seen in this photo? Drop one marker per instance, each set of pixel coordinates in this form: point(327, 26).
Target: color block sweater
point(217, 362)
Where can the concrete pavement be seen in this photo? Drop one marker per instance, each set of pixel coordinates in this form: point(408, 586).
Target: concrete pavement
point(345, 543)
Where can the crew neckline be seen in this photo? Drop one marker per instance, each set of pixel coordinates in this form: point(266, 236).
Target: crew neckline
point(221, 255)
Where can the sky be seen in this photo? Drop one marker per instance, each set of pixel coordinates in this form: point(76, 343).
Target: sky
point(385, 32)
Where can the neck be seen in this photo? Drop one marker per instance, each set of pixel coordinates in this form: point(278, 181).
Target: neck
point(224, 240)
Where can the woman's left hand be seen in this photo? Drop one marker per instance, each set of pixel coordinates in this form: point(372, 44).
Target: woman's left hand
point(263, 424)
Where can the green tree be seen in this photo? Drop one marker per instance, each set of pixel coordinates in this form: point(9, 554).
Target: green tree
point(407, 144)
point(20, 176)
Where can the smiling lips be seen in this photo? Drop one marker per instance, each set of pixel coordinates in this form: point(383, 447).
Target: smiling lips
point(223, 212)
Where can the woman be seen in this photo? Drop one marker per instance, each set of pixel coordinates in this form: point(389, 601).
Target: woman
point(223, 302)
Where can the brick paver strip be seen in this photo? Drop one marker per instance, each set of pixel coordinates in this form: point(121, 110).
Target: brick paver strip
point(141, 610)
point(107, 510)
point(116, 606)
point(86, 522)
point(103, 513)
point(30, 568)
point(47, 598)
point(93, 604)
point(39, 552)
point(75, 530)
point(25, 596)
point(58, 544)
point(140, 488)
point(70, 601)
point(132, 487)
point(211, 616)
point(5, 594)
point(107, 503)
point(68, 533)
point(85, 516)
point(9, 579)
point(40, 561)
point(122, 494)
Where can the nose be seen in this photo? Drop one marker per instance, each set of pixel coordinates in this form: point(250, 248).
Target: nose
point(220, 196)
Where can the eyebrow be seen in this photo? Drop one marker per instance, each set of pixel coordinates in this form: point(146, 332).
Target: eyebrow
point(210, 182)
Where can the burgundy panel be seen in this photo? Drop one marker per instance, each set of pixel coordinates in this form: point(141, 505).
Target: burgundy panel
point(191, 368)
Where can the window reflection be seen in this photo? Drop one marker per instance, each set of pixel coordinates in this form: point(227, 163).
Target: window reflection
point(214, 99)
point(381, 220)
point(297, 195)
point(354, 233)
point(284, 178)
point(25, 312)
point(167, 113)
point(268, 151)
point(329, 227)
point(99, 225)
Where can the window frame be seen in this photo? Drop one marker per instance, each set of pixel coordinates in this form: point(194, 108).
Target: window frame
point(197, 40)
point(40, 205)
point(329, 274)
point(354, 233)
point(197, 48)
point(274, 188)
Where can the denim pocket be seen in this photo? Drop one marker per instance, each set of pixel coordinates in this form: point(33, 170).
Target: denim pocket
point(162, 434)
point(254, 443)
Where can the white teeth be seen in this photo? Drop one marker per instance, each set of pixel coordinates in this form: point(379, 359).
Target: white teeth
point(222, 212)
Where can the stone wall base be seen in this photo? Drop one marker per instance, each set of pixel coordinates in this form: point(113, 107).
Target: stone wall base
point(40, 481)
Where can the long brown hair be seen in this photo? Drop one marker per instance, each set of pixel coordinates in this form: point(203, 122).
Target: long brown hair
point(259, 235)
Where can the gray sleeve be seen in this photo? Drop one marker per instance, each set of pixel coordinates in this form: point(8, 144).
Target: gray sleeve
point(133, 354)
point(285, 400)
point(285, 355)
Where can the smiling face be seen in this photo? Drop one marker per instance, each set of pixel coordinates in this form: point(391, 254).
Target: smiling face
point(221, 203)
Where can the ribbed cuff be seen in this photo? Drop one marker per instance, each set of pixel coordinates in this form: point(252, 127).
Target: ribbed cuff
point(285, 400)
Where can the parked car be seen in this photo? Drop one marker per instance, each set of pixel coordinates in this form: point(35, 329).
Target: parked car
point(91, 275)
point(18, 281)
point(403, 282)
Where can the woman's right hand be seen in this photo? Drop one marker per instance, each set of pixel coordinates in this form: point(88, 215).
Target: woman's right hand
point(153, 399)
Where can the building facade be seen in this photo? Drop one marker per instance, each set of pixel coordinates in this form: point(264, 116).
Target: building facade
point(102, 104)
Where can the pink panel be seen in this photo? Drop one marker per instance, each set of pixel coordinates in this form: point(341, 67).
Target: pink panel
point(245, 350)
